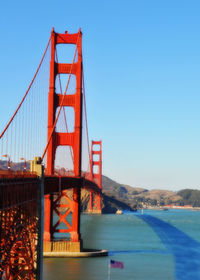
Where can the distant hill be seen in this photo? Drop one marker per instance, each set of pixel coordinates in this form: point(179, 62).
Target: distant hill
point(138, 197)
point(15, 166)
point(122, 193)
point(109, 203)
point(190, 196)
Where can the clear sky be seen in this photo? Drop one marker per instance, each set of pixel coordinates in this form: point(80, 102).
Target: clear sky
point(142, 80)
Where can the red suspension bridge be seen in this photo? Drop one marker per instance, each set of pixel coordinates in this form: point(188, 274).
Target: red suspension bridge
point(45, 163)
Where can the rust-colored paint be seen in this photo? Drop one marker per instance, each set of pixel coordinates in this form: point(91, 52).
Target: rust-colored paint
point(73, 139)
point(95, 198)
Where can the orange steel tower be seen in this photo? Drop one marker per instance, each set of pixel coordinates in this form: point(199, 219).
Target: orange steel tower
point(96, 162)
point(73, 139)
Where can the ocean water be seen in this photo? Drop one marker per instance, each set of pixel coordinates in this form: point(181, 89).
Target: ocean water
point(154, 245)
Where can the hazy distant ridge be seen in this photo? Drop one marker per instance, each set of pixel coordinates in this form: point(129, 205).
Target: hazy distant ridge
point(140, 197)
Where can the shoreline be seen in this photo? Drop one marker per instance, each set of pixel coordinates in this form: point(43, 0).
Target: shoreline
point(164, 208)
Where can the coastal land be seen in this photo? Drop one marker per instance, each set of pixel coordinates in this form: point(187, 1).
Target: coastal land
point(120, 196)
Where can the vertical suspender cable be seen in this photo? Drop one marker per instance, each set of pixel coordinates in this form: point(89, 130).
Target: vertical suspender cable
point(26, 91)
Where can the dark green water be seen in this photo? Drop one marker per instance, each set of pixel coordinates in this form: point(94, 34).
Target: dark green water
point(157, 245)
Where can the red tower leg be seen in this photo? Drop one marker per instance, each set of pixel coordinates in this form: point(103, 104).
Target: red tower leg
point(95, 199)
point(73, 139)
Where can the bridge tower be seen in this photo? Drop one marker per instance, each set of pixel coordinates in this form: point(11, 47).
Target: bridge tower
point(96, 171)
point(73, 139)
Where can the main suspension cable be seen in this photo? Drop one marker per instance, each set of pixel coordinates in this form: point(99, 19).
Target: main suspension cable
point(88, 145)
point(26, 91)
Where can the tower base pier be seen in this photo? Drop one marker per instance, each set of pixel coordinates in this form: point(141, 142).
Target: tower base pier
point(94, 211)
point(82, 254)
point(61, 246)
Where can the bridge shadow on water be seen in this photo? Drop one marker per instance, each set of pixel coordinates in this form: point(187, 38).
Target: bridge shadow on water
point(185, 250)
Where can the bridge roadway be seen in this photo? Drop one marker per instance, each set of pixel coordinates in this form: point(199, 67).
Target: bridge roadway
point(53, 183)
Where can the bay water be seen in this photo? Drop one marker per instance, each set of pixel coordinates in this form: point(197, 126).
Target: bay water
point(152, 245)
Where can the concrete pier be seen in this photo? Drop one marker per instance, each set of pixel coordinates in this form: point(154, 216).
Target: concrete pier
point(62, 248)
point(94, 211)
point(83, 254)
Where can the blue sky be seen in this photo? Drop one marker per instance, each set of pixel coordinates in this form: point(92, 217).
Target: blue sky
point(142, 80)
